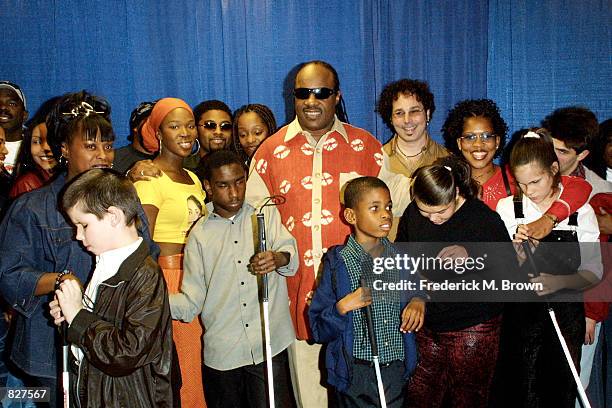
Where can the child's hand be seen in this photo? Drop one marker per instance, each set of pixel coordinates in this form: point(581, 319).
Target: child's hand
point(540, 228)
point(56, 312)
point(589, 334)
point(267, 261)
point(413, 316)
point(550, 283)
point(522, 233)
point(70, 299)
point(453, 252)
point(354, 300)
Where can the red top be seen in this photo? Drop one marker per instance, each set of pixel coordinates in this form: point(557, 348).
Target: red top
point(29, 181)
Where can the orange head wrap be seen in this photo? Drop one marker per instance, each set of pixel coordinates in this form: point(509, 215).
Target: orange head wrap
point(160, 110)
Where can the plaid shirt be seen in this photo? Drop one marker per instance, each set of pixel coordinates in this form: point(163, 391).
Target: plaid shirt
point(385, 307)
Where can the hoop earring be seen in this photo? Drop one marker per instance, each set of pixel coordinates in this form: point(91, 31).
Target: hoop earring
point(197, 150)
point(62, 161)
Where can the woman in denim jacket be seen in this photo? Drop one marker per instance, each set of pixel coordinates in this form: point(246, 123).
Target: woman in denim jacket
point(37, 243)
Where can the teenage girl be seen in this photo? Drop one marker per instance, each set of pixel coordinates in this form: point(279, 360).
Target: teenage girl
point(538, 373)
point(252, 124)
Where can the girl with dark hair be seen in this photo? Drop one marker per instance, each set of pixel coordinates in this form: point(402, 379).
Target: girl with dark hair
point(537, 373)
point(35, 162)
point(252, 124)
point(475, 130)
point(458, 344)
point(37, 245)
point(171, 131)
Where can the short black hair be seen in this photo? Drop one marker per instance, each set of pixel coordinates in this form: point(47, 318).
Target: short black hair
point(95, 190)
point(356, 188)
point(79, 111)
point(212, 104)
point(575, 126)
point(453, 125)
point(392, 92)
point(218, 159)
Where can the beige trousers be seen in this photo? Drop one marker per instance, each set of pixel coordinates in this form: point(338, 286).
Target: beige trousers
point(307, 365)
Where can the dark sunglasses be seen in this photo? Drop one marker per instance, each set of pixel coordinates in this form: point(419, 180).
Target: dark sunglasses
point(212, 125)
point(319, 93)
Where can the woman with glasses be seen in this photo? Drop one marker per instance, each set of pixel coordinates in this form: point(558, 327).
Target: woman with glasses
point(38, 248)
point(475, 130)
point(167, 201)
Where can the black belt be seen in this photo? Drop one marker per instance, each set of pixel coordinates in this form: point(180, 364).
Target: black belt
point(371, 363)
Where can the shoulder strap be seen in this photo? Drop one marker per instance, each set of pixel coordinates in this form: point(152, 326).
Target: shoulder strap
point(518, 208)
point(506, 181)
point(573, 220)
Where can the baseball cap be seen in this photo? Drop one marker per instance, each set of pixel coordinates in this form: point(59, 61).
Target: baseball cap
point(15, 88)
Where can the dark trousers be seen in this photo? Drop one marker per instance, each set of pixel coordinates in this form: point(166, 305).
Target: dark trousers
point(363, 391)
point(536, 371)
point(247, 386)
point(455, 368)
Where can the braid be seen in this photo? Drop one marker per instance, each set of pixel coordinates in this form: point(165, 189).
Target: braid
point(265, 114)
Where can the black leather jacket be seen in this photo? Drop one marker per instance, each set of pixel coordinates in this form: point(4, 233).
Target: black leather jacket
point(127, 339)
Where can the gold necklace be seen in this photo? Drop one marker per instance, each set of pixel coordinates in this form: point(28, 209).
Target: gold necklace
point(411, 156)
point(484, 175)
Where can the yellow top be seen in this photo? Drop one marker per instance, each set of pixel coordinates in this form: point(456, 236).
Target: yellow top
point(180, 206)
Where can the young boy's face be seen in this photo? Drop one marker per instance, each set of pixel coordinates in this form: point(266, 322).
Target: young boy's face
point(226, 189)
point(372, 217)
point(97, 236)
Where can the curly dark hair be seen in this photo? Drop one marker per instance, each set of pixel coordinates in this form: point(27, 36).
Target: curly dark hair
point(393, 90)
point(453, 125)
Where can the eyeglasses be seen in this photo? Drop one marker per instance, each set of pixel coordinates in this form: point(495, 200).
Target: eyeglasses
point(484, 137)
point(399, 114)
point(212, 125)
point(319, 93)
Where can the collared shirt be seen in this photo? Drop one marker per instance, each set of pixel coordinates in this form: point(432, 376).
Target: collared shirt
point(107, 265)
point(385, 305)
point(217, 285)
point(400, 164)
point(310, 175)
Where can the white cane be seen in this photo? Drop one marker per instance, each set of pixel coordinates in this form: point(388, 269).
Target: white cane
point(65, 372)
point(551, 312)
point(261, 227)
point(374, 347)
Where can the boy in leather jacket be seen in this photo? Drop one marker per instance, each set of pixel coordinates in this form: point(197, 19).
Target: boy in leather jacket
point(120, 327)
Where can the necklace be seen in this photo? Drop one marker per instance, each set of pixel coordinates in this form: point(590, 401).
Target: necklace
point(409, 156)
point(484, 175)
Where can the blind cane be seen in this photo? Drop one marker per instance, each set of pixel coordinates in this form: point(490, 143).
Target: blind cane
point(551, 312)
point(374, 347)
point(261, 227)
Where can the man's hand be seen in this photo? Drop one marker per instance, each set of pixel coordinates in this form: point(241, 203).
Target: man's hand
point(589, 334)
point(142, 170)
point(354, 300)
point(413, 316)
point(70, 299)
point(541, 227)
point(267, 261)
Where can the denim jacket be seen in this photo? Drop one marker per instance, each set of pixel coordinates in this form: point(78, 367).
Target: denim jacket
point(36, 238)
point(328, 326)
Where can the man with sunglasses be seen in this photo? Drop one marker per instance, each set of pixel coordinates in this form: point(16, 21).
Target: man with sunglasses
point(214, 123)
point(13, 114)
point(308, 162)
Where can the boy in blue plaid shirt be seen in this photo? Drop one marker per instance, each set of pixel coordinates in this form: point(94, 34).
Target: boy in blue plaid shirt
point(337, 314)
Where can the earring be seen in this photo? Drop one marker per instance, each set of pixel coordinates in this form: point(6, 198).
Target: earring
point(62, 161)
point(193, 153)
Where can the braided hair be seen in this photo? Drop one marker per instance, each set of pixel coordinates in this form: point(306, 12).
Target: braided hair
point(264, 113)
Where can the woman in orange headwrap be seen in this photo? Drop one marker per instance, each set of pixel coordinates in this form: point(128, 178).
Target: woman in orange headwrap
point(171, 130)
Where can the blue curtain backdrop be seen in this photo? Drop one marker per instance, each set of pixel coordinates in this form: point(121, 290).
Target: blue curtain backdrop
point(530, 56)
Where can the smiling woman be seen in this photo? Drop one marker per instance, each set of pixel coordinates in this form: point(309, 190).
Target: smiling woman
point(168, 202)
point(37, 243)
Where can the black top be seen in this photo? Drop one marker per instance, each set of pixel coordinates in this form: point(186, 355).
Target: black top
point(126, 156)
point(472, 222)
